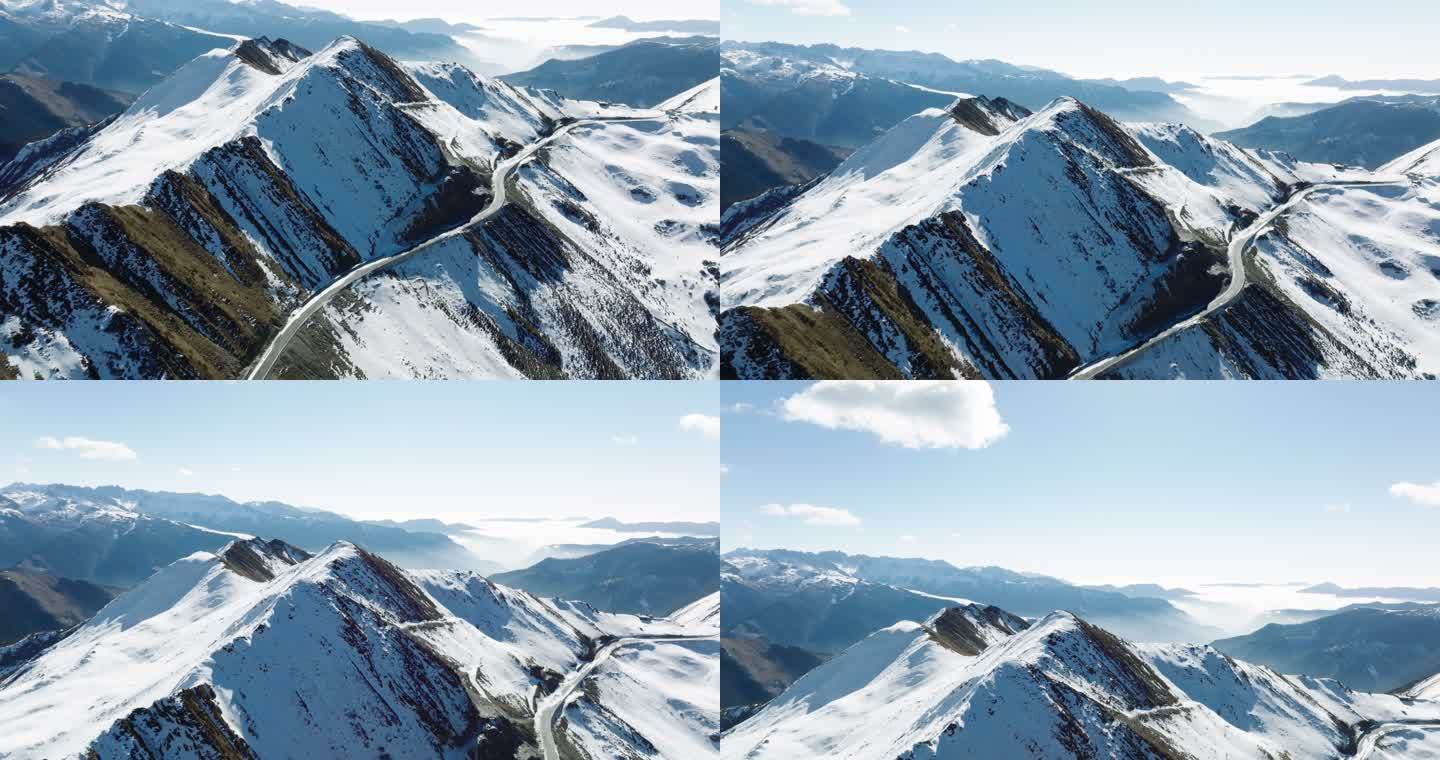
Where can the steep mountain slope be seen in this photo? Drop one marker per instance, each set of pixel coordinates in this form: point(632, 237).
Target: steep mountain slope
point(269, 652)
point(643, 578)
point(310, 529)
point(33, 109)
point(642, 73)
point(664, 691)
point(754, 161)
point(1367, 649)
point(92, 542)
point(1423, 161)
point(753, 671)
point(983, 241)
point(966, 684)
point(1367, 132)
point(1340, 285)
point(601, 266)
point(233, 193)
point(35, 601)
point(912, 590)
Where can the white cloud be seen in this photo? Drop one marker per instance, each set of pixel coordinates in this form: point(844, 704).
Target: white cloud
point(625, 440)
point(704, 424)
point(1427, 496)
point(908, 539)
point(740, 407)
point(941, 414)
point(186, 471)
point(813, 515)
point(809, 7)
point(724, 469)
point(1337, 509)
point(903, 29)
point(89, 448)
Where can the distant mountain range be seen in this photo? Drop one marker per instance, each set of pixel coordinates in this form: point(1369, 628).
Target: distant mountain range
point(133, 45)
point(918, 587)
point(637, 578)
point(642, 73)
point(1411, 593)
point(683, 528)
point(690, 26)
point(848, 96)
point(1368, 132)
point(1402, 85)
point(118, 537)
point(1366, 648)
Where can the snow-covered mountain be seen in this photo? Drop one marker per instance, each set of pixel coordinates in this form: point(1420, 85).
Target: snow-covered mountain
point(131, 45)
point(982, 240)
point(601, 266)
point(95, 542)
point(262, 650)
point(827, 601)
point(232, 193)
point(846, 96)
point(120, 536)
point(976, 682)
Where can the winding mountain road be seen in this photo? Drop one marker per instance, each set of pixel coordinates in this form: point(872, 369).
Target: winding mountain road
point(1240, 243)
point(1370, 740)
point(276, 348)
point(549, 708)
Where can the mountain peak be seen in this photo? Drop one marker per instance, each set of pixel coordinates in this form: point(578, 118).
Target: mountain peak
point(260, 560)
point(270, 56)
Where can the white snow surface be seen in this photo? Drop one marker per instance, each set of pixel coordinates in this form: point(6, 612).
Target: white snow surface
point(901, 693)
point(667, 691)
point(282, 656)
point(702, 98)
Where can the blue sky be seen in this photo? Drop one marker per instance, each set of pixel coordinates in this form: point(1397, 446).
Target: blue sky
point(379, 449)
point(1100, 482)
point(1120, 38)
